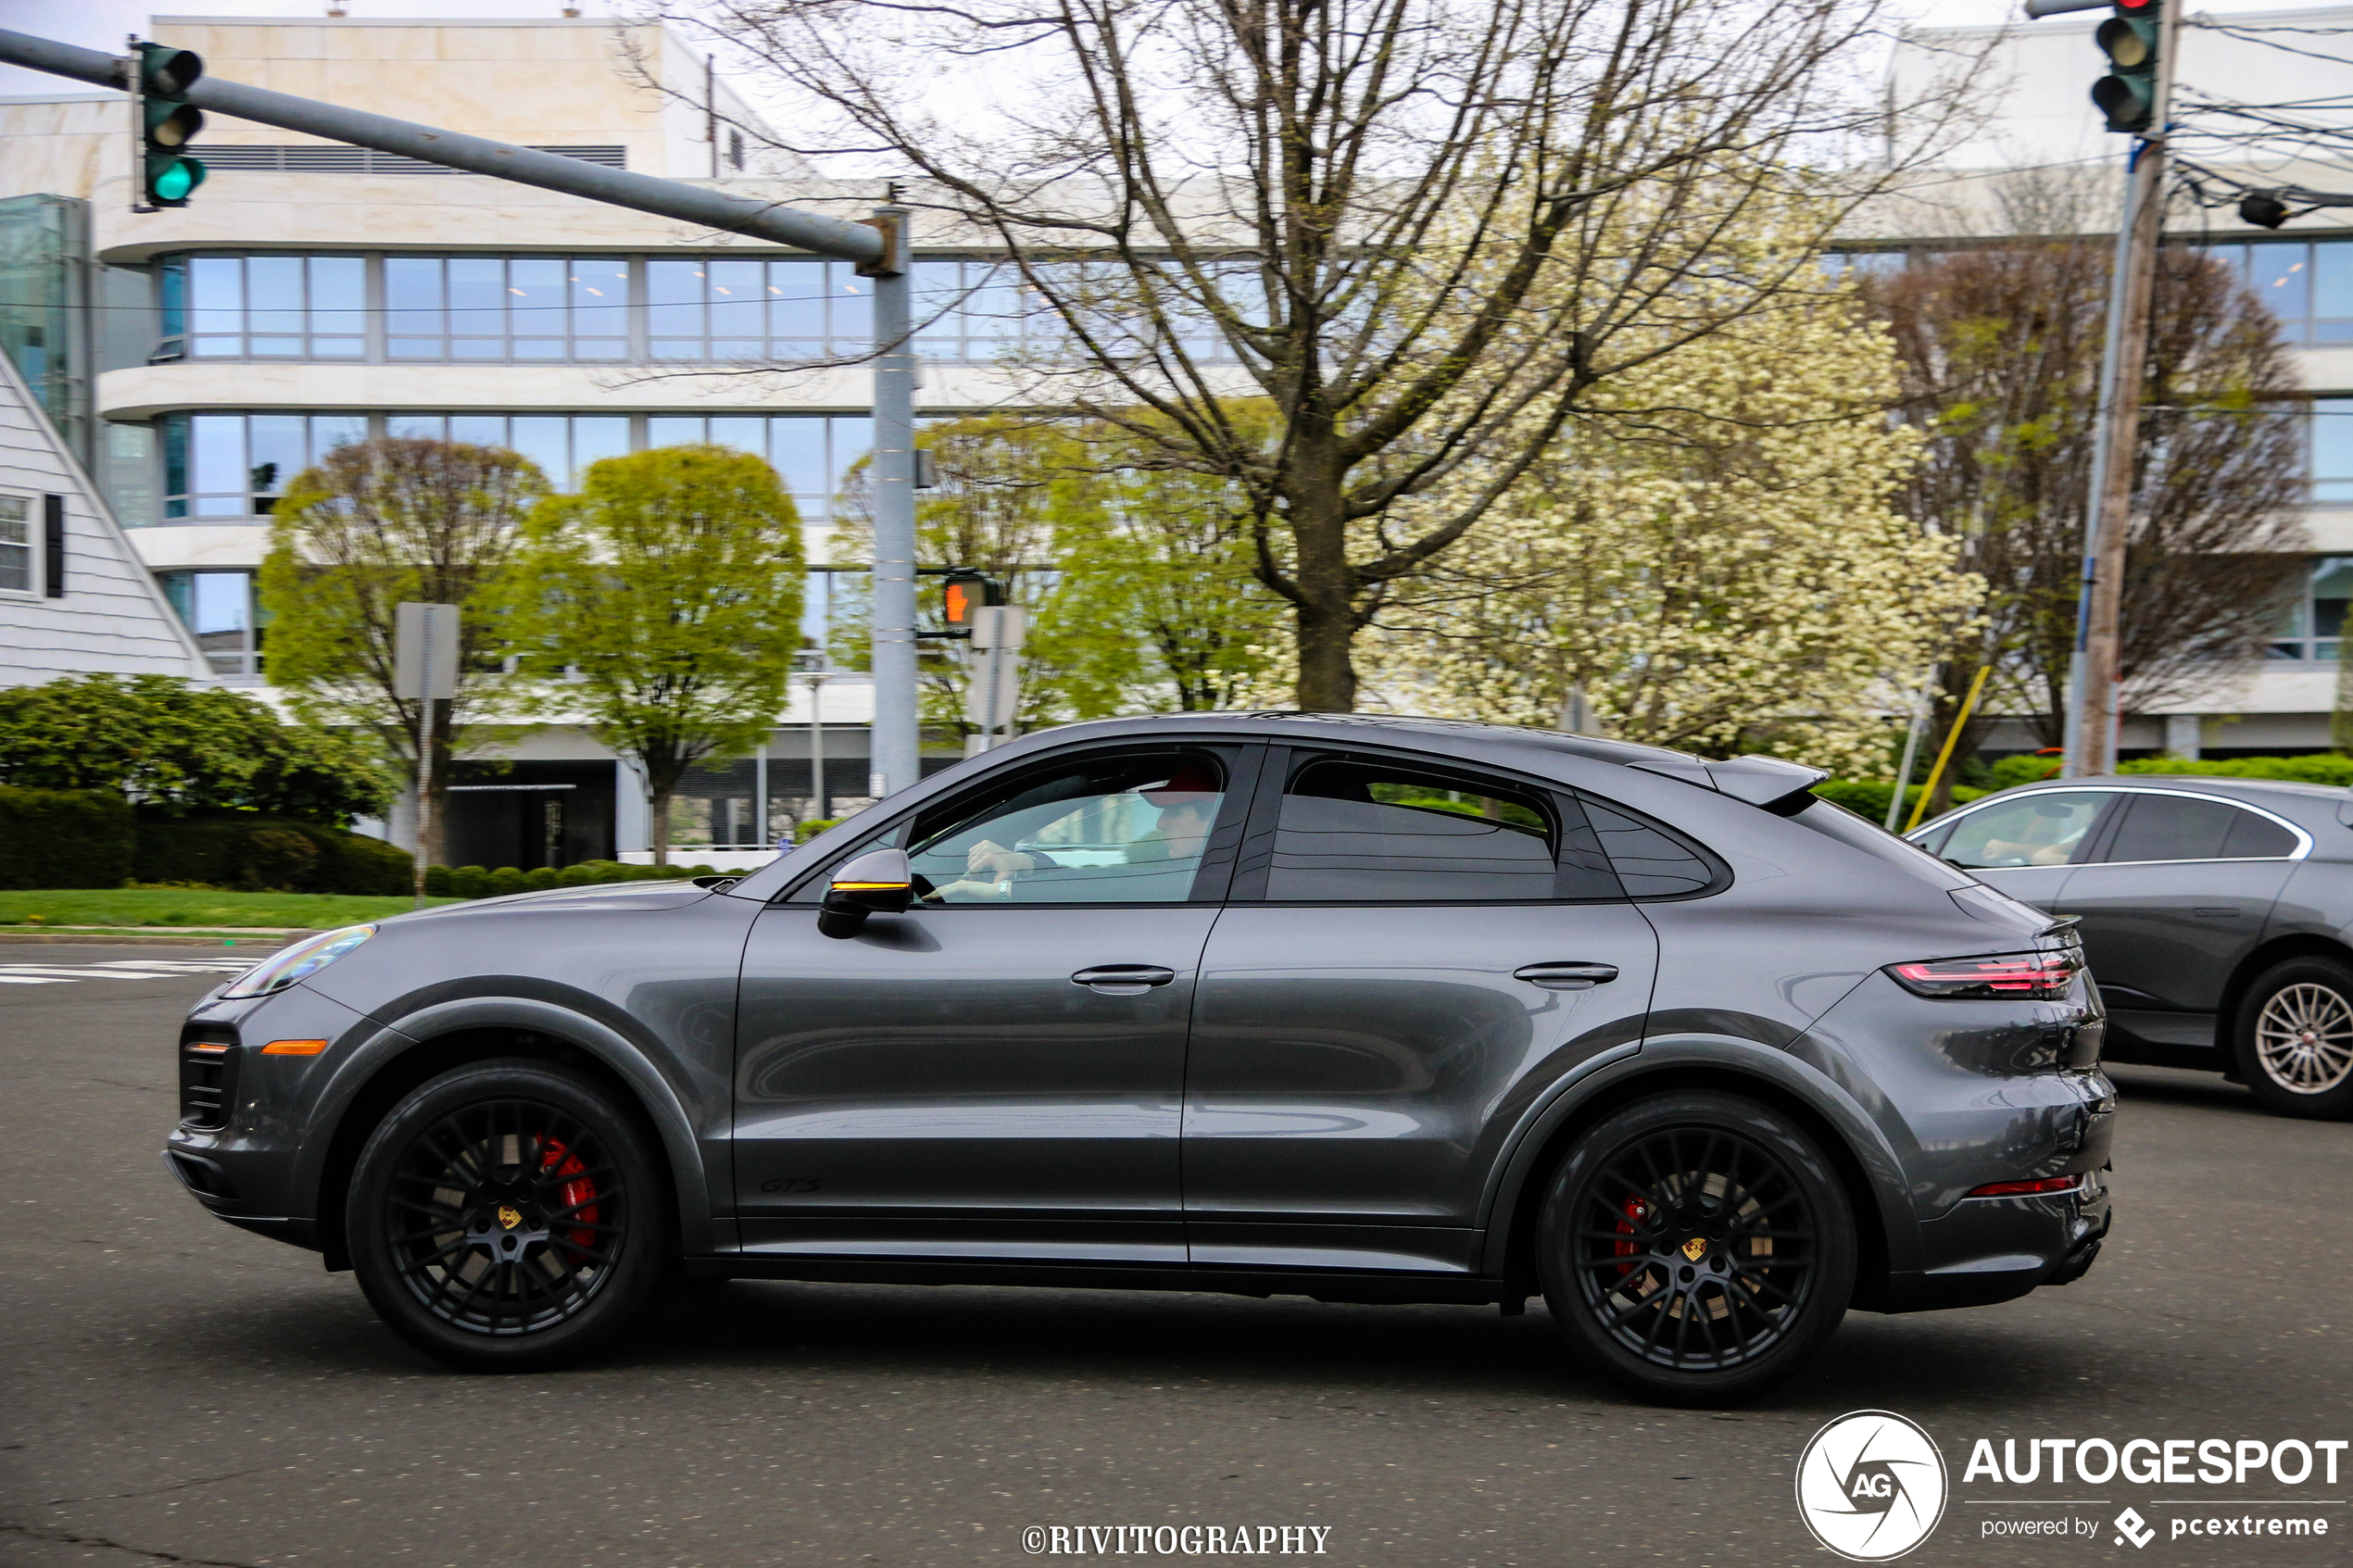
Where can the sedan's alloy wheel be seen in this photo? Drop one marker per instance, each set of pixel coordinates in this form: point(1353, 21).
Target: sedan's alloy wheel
point(514, 1215)
point(2304, 1038)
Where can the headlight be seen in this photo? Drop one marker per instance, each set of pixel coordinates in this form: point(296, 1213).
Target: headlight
point(298, 963)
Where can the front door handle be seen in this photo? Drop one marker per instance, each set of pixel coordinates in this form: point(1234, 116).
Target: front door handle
point(1123, 979)
point(1567, 976)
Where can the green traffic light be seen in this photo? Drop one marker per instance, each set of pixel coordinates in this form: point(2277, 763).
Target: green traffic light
point(177, 178)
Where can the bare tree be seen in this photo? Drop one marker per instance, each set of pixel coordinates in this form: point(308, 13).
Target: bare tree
point(2000, 347)
point(1423, 231)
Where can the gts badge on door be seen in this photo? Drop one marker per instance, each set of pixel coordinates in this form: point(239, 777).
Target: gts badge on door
point(793, 1185)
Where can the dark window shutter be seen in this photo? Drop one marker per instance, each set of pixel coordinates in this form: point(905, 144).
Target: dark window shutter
point(53, 542)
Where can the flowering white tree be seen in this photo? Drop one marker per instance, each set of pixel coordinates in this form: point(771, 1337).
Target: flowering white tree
point(1714, 560)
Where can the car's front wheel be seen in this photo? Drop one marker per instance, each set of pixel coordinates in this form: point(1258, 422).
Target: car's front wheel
point(2294, 1038)
point(506, 1216)
point(1697, 1248)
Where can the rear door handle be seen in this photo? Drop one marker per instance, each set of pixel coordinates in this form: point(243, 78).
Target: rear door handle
point(1123, 979)
point(1567, 976)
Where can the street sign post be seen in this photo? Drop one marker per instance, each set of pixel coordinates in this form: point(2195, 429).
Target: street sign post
point(424, 670)
point(994, 692)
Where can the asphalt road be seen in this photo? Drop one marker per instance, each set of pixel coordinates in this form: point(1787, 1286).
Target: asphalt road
point(172, 1390)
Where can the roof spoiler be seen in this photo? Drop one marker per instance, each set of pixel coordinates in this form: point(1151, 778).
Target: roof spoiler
point(1782, 787)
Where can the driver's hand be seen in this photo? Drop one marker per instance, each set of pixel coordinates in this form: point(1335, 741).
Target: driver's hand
point(988, 860)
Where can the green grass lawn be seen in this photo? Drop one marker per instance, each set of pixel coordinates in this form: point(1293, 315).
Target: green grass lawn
point(194, 907)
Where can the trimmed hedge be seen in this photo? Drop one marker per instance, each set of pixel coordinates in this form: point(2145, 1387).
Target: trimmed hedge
point(60, 839)
point(1868, 797)
point(2326, 767)
point(258, 854)
point(475, 882)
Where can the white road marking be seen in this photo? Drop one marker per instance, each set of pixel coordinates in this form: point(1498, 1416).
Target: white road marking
point(121, 969)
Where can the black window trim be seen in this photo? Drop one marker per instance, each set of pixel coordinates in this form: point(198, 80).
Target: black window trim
point(1244, 760)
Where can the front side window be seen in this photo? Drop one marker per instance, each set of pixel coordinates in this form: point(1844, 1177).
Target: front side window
point(1118, 830)
point(1363, 832)
point(2046, 829)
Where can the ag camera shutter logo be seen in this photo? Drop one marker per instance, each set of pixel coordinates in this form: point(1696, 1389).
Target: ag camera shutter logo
point(1871, 1486)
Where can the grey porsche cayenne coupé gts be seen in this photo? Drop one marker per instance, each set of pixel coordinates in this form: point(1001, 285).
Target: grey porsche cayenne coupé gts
point(1363, 1010)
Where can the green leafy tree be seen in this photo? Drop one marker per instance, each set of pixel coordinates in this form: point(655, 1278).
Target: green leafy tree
point(1139, 580)
point(374, 524)
point(164, 743)
point(669, 590)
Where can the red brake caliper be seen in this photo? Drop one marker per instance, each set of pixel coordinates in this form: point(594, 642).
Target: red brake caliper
point(1635, 1210)
point(579, 1196)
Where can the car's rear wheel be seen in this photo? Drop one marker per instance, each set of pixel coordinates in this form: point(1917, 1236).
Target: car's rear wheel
point(2294, 1038)
point(506, 1216)
point(1697, 1248)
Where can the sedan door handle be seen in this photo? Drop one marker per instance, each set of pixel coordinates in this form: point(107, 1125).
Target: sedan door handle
point(1123, 979)
point(1567, 976)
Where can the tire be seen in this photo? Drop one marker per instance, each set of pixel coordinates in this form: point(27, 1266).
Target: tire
point(1696, 1248)
point(2294, 1038)
point(506, 1216)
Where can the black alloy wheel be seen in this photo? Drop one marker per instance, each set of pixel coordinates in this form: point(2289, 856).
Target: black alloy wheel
point(2294, 1038)
point(506, 1216)
point(1697, 1248)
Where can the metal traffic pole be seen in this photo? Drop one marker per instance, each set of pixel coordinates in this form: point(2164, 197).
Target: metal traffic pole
point(896, 758)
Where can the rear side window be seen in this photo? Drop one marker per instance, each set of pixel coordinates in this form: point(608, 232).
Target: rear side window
point(2182, 827)
point(1650, 863)
point(1364, 832)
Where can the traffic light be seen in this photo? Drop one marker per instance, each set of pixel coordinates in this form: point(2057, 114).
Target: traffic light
point(2263, 208)
point(964, 593)
point(2126, 95)
point(166, 125)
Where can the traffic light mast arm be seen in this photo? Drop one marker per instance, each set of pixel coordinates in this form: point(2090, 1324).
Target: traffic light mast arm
point(839, 237)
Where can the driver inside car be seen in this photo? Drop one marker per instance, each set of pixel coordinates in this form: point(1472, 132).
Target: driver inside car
point(1185, 800)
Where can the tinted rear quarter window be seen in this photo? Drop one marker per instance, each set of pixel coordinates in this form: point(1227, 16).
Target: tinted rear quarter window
point(1650, 863)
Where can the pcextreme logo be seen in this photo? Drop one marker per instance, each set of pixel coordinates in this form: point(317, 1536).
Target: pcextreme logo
point(1871, 1486)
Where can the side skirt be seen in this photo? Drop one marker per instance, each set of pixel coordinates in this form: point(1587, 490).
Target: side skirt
point(1336, 1285)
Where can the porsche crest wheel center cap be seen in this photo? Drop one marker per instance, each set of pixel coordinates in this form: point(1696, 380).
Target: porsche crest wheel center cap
point(1696, 1249)
point(509, 1217)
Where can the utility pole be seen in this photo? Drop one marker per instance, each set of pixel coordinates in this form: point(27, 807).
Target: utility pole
point(878, 246)
point(2134, 46)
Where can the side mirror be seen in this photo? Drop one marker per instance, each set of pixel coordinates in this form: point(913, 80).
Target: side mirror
point(877, 881)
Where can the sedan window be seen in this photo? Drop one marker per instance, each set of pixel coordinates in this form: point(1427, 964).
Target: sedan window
point(2183, 827)
point(2043, 829)
point(1119, 830)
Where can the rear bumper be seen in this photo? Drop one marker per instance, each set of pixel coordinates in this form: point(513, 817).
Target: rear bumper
point(2009, 1246)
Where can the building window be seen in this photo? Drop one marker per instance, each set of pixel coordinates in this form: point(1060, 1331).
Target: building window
point(813, 454)
point(2332, 426)
point(562, 444)
point(540, 310)
point(711, 309)
point(2310, 626)
point(237, 465)
point(16, 544)
point(265, 306)
point(2308, 284)
point(219, 608)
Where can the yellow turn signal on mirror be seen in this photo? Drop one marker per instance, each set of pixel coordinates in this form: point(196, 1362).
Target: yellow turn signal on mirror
point(294, 1047)
point(870, 886)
